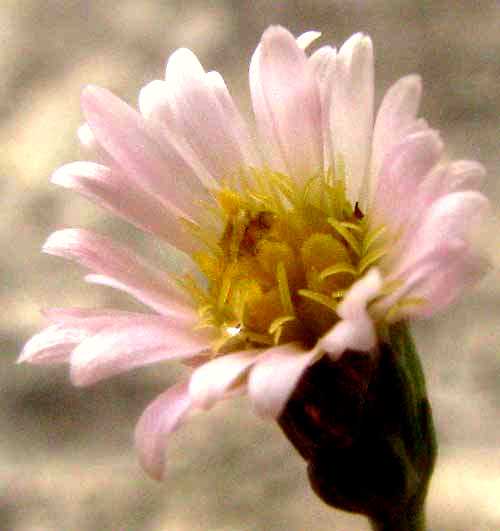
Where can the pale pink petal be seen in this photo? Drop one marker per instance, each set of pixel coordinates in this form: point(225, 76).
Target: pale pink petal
point(136, 342)
point(286, 103)
point(86, 315)
point(53, 344)
point(352, 114)
point(210, 382)
point(160, 419)
point(449, 219)
point(156, 103)
point(179, 311)
point(236, 123)
point(397, 114)
point(263, 117)
point(307, 38)
point(356, 330)
point(437, 280)
point(152, 160)
point(71, 327)
point(402, 173)
point(353, 305)
point(274, 377)
point(457, 176)
point(356, 335)
point(204, 122)
point(449, 279)
point(323, 63)
point(120, 194)
point(109, 259)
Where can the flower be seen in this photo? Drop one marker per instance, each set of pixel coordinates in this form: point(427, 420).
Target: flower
point(306, 245)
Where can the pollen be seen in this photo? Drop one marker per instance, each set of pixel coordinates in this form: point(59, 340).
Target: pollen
point(286, 256)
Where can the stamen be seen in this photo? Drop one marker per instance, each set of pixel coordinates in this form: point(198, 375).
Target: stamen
point(284, 290)
point(352, 226)
point(346, 234)
point(227, 279)
point(371, 237)
point(279, 322)
point(263, 339)
point(371, 258)
point(240, 223)
point(341, 267)
point(319, 298)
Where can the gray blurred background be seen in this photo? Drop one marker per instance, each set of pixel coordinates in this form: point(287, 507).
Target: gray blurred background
point(66, 458)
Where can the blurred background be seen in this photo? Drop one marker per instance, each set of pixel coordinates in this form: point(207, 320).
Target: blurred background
point(66, 456)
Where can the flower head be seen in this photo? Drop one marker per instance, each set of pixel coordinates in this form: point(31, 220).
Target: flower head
point(306, 243)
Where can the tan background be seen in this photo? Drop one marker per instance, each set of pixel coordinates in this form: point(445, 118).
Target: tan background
point(66, 460)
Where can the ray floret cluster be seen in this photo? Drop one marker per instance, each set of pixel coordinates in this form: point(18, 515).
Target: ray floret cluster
point(305, 239)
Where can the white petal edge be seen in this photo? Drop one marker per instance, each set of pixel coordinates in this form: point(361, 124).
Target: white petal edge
point(307, 38)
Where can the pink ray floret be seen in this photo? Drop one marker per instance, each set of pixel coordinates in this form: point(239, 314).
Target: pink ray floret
point(314, 116)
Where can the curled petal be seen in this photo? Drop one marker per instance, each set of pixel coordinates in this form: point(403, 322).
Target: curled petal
point(131, 273)
point(210, 382)
point(281, 82)
point(457, 176)
point(70, 327)
point(160, 419)
point(356, 330)
point(53, 344)
point(274, 377)
point(361, 292)
point(132, 343)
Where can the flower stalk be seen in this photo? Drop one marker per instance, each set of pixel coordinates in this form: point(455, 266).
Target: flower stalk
point(365, 427)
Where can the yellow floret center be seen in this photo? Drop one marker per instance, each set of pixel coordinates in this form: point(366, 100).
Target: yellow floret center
point(285, 259)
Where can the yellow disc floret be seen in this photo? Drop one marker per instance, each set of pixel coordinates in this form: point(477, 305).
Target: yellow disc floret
point(284, 260)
